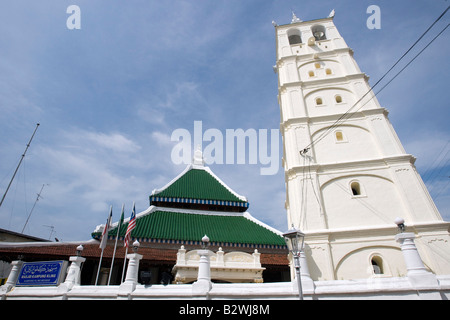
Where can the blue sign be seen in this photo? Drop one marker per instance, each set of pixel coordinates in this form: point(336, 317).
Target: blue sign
point(43, 273)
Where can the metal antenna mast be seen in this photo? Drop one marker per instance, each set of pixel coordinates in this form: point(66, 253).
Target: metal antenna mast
point(20, 162)
point(37, 199)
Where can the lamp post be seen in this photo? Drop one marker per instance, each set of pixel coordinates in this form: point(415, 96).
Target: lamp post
point(136, 246)
point(205, 242)
point(80, 249)
point(400, 222)
point(203, 284)
point(295, 240)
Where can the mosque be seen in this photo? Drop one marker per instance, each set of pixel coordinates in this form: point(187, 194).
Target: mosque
point(371, 229)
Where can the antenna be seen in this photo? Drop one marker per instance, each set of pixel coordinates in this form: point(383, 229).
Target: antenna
point(51, 232)
point(20, 162)
point(37, 199)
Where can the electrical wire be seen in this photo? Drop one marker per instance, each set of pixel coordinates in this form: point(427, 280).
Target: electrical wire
point(342, 118)
point(432, 165)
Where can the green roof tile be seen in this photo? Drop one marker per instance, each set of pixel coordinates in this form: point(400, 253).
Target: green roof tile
point(198, 184)
point(193, 226)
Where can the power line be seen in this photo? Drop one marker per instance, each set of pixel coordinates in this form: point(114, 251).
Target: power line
point(428, 170)
point(347, 114)
point(433, 175)
point(441, 191)
point(429, 43)
point(342, 117)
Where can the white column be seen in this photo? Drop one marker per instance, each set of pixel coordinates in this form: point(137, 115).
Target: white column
point(417, 274)
point(203, 284)
point(307, 282)
point(13, 275)
point(131, 278)
point(304, 270)
point(74, 272)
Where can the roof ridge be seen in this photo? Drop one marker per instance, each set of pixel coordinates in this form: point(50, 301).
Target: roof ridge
point(206, 169)
point(243, 198)
point(262, 224)
point(156, 191)
point(153, 208)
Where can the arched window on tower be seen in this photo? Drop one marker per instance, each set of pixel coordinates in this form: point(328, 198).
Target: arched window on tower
point(311, 73)
point(318, 32)
point(328, 71)
point(339, 136)
point(377, 265)
point(319, 101)
point(338, 99)
point(356, 188)
point(294, 36)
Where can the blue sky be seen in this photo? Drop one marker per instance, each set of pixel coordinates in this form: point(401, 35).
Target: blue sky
point(109, 96)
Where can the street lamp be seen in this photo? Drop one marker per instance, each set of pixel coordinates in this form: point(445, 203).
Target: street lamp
point(136, 246)
point(295, 240)
point(400, 222)
point(205, 242)
point(80, 249)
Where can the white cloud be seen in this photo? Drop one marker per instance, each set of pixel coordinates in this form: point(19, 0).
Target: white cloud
point(162, 139)
point(113, 141)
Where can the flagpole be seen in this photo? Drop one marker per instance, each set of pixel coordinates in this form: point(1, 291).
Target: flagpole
point(104, 242)
point(124, 264)
point(128, 235)
point(99, 265)
point(115, 245)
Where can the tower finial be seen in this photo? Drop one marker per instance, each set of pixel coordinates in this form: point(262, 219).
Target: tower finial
point(198, 157)
point(295, 18)
point(331, 15)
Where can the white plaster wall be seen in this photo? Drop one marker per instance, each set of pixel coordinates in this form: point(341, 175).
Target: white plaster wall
point(369, 153)
point(357, 264)
point(357, 144)
point(361, 289)
point(329, 105)
point(378, 204)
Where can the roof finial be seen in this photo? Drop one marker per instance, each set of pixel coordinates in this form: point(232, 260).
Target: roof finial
point(198, 157)
point(331, 15)
point(295, 18)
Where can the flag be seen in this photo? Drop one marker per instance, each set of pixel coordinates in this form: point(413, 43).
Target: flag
point(131, 226)
point(119, 226)
point(105, 231)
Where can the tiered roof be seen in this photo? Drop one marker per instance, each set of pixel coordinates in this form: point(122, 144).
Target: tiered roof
point(197, 187)
point(196, 203)
point(167, 225)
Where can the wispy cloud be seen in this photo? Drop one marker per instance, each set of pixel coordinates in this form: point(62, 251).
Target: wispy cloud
point(109, 96)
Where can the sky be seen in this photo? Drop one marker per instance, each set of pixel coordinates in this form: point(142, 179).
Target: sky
point(108, 97)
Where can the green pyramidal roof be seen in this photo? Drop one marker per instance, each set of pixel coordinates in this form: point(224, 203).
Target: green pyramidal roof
point(198, 185)
point(185, 225)
point(196, 203)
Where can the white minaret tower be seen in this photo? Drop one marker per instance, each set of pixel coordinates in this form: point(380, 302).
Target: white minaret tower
point(347, 175)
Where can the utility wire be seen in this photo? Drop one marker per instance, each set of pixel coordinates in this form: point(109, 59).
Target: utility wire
point(428, 170)
point(340, 119)
point(429, 43)
point(442, 190)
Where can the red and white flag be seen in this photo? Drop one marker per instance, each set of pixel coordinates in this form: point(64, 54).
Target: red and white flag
point(105, 231)
point(131, 226)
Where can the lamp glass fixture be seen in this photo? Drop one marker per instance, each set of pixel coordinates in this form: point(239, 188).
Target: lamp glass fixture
point(294, 240)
